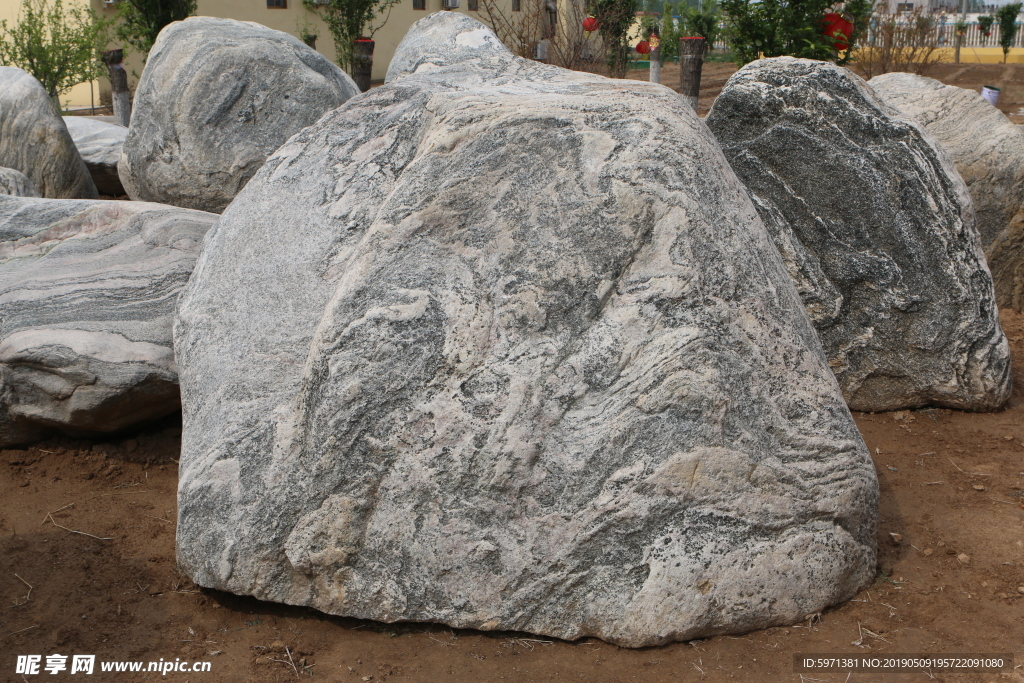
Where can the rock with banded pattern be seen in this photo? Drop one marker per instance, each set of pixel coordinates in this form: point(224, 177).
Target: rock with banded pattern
point(16, 183)
point(216, 98)
point(99, 143)
point(877, 231)
point(87, 295)
point(35, 141)
point(504, 346)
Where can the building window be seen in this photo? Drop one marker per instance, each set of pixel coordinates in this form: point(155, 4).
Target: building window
point(277, 4)
point(419, 4)
point(472, 5)
point(515, 5)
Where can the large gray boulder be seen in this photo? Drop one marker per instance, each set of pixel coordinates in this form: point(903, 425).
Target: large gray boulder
point(216, 98)
point(16, 183)
point(504, 346)
point(877, 231)
point(99, 143)
point(87, 294)
point(986, 147)
point(35, 141)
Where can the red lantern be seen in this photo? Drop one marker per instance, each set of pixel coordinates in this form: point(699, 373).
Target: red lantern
point(838, 29)
point(643, 47)
point(988, 33)
point(590, 24)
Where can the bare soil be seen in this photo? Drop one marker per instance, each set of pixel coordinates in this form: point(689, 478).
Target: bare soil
point(87, 567)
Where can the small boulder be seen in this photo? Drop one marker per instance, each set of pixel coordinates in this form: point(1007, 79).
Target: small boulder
point(505, 346)
point(87, 295)
point(877, 231)
point(35, 141)
point(99, 143)
point(16, 183)
point(216, 98)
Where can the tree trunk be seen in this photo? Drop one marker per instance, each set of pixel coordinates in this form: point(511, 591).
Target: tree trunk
point(362, 63)
point(691, 61)
point(118, 86)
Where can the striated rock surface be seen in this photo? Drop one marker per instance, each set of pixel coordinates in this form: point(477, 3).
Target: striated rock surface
point(877, 231)
point(35, 141)
point(99, 143)
point(986, 147)
point(16, 183)
point(1006, 259)
point(504, 346)
point(217, 97)
point(87, 294)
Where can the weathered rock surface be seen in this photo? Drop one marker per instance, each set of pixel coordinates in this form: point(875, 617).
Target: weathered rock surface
point(87, 295)
point(504, 346)
point(35, 141)
point(216, 98)
point(99, 143)
point(16, 183)
point(986, 147)
point(1006, 259)
point(877, 231)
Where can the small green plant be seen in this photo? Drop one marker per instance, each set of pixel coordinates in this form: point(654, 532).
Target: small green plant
point(773, 28)
point(142, 20)
point(348, 20)
point(59, 46)
point(1007, 18)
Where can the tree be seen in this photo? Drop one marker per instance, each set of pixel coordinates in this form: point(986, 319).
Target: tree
point(615, 17)
point(1007, 18)
point(348, 20)
point(142, 20)
point(789, 27)
point(703, 21)
point(59, 46)
point(670, 34)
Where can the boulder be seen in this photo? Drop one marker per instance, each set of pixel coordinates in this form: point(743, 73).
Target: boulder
point(877, 231)
point(35, 141)
point(987, 149)
point(1006, 260)
point(16, 183)
point(504, 346)
point(216, 98)
point(87, 294)
point(99, 143)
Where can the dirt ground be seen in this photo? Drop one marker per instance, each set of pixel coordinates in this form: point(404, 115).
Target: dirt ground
point(87, 567)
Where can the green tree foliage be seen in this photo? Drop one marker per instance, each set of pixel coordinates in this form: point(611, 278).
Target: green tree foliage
point(348, 20)
point(702, 21)
point(671, 32)
point(59, 46)
point(615, 17)
point(1007, 18)
point(142, 20)
point(788, 27)
point(985, 24)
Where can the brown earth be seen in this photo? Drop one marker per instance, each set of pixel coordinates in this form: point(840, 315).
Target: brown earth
point(953, 582)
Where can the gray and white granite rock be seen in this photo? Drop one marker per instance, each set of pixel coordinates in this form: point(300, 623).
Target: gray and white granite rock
point(35, 141)
point(1006, 260)
point(99, 143)
point(16, 183)
point(986, 147)
point(87, 295)
point(504, 346)
point(216, 98)
point(877, 231)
